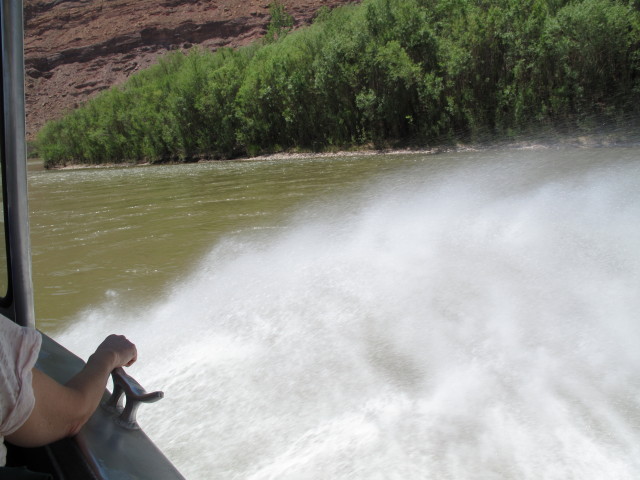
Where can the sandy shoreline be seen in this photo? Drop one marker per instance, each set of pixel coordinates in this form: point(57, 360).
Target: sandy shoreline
point(271, 156)
point(529, 144)
point(294, 156)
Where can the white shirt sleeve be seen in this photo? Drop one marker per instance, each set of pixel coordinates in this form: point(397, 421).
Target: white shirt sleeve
point(19, 348)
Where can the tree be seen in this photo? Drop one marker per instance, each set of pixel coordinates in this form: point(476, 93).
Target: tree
point(280, 24)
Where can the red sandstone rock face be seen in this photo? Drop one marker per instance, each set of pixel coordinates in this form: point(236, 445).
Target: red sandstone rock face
point(76, 48)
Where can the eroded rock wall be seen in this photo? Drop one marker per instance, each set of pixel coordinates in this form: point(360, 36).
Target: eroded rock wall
point(76, 48)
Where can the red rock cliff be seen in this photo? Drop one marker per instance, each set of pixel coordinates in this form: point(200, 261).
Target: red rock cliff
point(76, 48)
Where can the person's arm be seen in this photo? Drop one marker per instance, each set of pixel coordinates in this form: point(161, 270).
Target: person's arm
point(61, 410)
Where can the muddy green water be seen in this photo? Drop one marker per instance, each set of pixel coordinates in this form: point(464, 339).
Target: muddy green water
point(458, 316)
point(133, 232)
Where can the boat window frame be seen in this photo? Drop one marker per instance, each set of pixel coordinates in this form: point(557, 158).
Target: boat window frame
point(6, 292)
point(17, 303)
point(6, 295)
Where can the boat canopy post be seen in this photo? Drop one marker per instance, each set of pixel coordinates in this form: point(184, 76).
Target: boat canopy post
point(18, 302)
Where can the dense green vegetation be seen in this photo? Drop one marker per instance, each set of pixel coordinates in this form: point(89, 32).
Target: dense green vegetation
point(385, 71)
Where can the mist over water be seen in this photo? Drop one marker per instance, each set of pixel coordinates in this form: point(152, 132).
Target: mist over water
point(474, 316)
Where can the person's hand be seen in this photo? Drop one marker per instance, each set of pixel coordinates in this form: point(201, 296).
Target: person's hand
point(120, 351)
point(61, 410)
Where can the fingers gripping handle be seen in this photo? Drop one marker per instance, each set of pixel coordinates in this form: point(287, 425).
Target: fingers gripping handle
point(135, 394)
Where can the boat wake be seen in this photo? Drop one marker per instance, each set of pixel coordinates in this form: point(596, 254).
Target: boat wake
point(473, 321)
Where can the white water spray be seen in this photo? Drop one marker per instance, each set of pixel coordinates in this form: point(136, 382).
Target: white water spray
point(479, 322)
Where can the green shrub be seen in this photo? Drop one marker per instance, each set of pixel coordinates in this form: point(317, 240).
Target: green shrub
point(380, 72)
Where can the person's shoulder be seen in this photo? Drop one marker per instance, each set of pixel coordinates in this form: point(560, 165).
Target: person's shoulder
point(9, 330)
point(13, 337)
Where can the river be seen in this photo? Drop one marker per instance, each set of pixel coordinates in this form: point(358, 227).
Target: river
point(467, 315)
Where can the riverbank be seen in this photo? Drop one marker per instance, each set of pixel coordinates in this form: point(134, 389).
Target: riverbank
point(621, 137)
point(281, 156)
point(355, 77)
